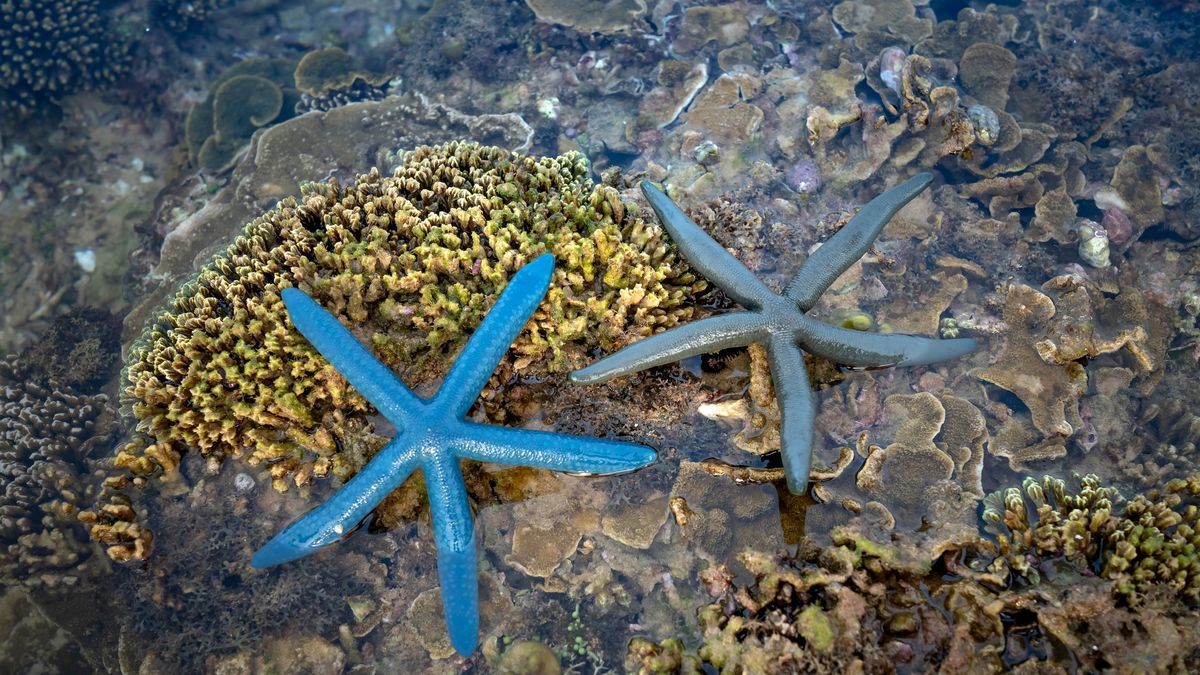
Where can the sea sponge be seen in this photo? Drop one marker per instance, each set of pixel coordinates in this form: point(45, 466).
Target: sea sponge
point(52, 48)
point(411, 263)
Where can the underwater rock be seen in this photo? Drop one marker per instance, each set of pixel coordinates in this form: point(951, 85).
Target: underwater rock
point(1051, 392)
point(336, 143)
point(181, 16)
point(678, 84)
point(720, 112)
point(636, 525)
point(724, 24)
point(897, 18)
point(606, 17)
point(952, 37)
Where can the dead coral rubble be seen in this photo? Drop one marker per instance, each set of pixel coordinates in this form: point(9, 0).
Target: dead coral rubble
point(855, 606)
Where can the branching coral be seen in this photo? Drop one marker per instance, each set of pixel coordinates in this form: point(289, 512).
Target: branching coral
point(1151, 541)
point(52, 48)
point(411, 261)
point(46, 432)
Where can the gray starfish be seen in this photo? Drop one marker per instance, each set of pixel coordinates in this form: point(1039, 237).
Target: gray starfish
point(779, 321)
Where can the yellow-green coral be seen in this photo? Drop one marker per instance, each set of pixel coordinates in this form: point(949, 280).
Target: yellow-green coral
point(410, 263)
point(1153, 540)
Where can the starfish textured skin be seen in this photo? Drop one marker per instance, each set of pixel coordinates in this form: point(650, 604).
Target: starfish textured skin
point(433, 435)
point(779, 321)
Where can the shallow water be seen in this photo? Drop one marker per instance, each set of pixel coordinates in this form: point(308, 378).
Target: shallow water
point(1060, 232)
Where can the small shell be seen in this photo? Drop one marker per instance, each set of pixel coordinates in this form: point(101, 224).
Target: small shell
point(986, 123)
point(1093, 245)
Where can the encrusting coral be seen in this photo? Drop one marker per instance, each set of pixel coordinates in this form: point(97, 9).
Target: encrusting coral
point(250, 94)
point(411, 261)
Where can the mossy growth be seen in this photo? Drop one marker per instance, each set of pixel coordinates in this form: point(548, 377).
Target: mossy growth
point(248, 95)
point(411, 263)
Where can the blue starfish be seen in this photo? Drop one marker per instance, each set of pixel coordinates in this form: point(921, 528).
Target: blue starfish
point(780, 321)
point(433, 435)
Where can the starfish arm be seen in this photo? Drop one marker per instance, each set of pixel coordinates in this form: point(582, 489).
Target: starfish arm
point(548, 450)
point(873, 350)
point(454, 535)
point(704, 254)
point(797, 409)
point(491, 340)
point(828, 262)
point(341, 513)
point(715, 333)
point(366, 373)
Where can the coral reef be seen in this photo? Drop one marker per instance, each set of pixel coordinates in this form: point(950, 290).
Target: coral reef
point(47, 434)
point(1148, 543)
point(55, 48)
point(858, 602)
point(80, 349)
point(254, 93)
point(412, 261)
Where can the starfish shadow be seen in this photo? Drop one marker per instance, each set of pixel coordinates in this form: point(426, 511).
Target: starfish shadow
point(433, 435)
point(779, 320)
